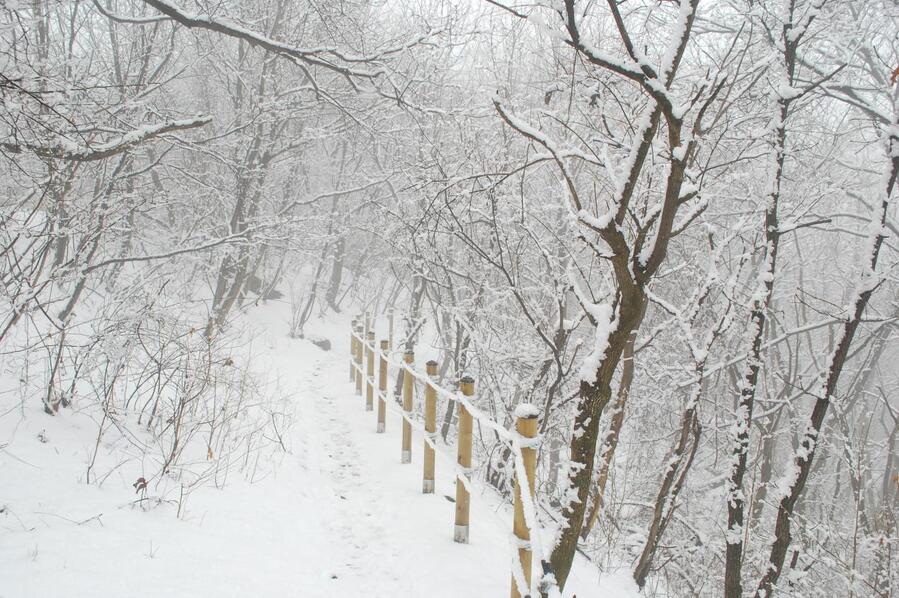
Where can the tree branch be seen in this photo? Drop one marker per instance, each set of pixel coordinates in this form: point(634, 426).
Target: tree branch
point(72, 152)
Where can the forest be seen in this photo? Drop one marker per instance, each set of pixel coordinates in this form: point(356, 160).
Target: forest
point(668, 227)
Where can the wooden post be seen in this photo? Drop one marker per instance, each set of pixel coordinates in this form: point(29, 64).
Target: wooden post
point(358, 357)
point(382, 387)
point(427, 485)
point(408, 385)
point(367, 323)
point(370, 369)
point(352, 350)
point(463, 461)
point(526, 426)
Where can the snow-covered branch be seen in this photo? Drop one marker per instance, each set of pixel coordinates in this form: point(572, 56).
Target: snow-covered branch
point(70, 151)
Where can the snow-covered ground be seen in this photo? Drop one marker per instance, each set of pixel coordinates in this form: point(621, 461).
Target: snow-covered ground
point(340, 516)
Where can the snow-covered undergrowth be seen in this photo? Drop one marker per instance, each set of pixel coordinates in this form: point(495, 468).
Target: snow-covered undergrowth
point(280, 486)
point(167, 406)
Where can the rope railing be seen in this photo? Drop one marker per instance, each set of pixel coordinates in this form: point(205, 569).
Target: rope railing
point(455, 396)
point(522, 442)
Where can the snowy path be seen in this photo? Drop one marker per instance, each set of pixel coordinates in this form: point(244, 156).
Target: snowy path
point(342, 517)
point(394, 538)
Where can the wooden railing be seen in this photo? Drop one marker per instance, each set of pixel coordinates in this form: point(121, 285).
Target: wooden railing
point(522, 441)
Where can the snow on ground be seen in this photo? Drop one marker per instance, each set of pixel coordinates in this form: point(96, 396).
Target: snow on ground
point(340, 517)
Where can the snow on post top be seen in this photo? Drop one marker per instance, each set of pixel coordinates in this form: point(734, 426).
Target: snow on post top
point(526, 411)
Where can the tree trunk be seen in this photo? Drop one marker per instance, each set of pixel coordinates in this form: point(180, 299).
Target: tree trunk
point(336, 275)
point(805, 453)
point(675, 474)
point(592, 400)
point(611, 441)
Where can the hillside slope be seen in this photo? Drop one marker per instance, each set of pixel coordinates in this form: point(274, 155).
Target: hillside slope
point(338, 516)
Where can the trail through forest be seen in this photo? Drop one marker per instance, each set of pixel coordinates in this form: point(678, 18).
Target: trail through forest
point(662, 236)
point(339, 516)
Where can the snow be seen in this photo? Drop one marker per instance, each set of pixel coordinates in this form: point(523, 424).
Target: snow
point(338, 516)
point(527, 411)
point(595, 222)
point(785, 92)
point(606, 321)
point(679, 32)
point(69, 150)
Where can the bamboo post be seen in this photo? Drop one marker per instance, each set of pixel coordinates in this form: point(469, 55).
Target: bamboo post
point(358, 358)
point(526, 426)
point(427, 485)
point(352, 351)
point(408, 382)
point(382, 387)
point(370, 369)
point(463, 460)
